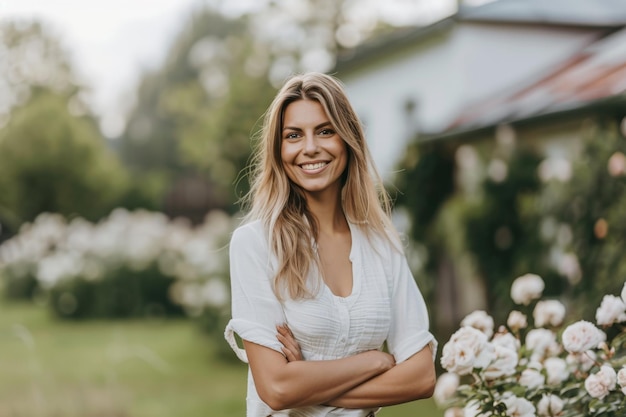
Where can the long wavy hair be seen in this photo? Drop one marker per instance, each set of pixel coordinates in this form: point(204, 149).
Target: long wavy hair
point(281, 205)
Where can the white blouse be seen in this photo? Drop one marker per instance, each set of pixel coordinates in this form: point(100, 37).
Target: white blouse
point(385, 305)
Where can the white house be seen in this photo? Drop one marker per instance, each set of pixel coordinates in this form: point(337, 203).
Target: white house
point(417, 81)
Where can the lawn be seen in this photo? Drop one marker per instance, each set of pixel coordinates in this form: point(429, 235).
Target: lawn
point(156, 368)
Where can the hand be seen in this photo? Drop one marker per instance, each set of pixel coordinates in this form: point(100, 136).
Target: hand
point(291, 347)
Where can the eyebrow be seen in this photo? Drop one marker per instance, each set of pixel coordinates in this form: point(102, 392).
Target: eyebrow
point(316, 127)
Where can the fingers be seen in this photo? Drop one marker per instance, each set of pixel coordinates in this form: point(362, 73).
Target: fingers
point(285, 331)
point(289, 355)
point(290, 348)
point(287, 339)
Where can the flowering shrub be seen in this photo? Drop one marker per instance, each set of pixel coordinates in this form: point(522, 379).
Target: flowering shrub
point(547, 369)
point(131, 263)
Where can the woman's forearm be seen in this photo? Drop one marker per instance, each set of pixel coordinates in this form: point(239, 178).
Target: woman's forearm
point(410, 380)
point(283, 384)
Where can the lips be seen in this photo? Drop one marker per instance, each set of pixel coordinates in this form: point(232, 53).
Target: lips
point(313, 166)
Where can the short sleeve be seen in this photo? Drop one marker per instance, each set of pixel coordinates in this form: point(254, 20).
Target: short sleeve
point(255, 309)
point(409, 332)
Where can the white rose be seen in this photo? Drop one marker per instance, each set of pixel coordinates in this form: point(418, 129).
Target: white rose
point(527, 288)
point(447, 384)
point(516, 321)
point(480, 320)
point(485, 355)
point(531, 378)
point(624, 293)
point(607, 376)
point(503, 365)
point(549, 312)
point(506, 340)
point(457, 359)
point(595, 387)
point(470, 337)
point(448, 357)
point(549, 405)
point(467, 349)
point(541, 341)
point(611, 310)
point(599, 384)
point(582, 336)
point(583, 361)
point(519, 407)
point(621, 379)
point(556, 368)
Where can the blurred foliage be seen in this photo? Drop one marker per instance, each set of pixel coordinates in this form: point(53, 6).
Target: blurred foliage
point(19, 286)
point(128, 265)
point(31, 57)
point(52, 156)
point(53, 161)
point(125, 293)
point(196, 114)
point(521, 213)
point(502, 230)
point(309, 35)
point(427, 181)
point(212, 322)
point(592, 207)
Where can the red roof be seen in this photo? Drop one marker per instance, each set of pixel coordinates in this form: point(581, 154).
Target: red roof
point(595, 73)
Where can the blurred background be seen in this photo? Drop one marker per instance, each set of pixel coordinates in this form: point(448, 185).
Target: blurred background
point(125, 129)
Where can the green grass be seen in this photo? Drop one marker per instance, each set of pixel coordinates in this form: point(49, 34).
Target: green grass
point(156, 368)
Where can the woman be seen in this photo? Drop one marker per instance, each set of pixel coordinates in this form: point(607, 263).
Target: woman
point(319, 280)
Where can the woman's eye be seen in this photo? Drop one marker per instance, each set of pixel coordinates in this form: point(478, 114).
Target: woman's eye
point(292, 135)
point(327, 132)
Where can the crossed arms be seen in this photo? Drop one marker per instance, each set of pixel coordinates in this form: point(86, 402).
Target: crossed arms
point(368, 379)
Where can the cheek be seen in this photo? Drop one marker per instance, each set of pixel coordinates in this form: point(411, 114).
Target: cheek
point(345, 156)
point(287, 158)
point(287, 153)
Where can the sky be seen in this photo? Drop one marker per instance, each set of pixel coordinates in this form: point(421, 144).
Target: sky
point(113, 42)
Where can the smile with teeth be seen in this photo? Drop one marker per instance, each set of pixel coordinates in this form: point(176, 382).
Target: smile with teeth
point(312, 167)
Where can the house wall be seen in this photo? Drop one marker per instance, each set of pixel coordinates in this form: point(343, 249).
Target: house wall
point(442, 74)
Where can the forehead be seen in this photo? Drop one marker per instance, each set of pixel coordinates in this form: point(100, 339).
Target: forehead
point(304, 112)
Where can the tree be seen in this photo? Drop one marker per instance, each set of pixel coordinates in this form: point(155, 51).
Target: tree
point(52, 156)
point(195, 116)
point(31, 57)
point(53, 161)
point(309, 35)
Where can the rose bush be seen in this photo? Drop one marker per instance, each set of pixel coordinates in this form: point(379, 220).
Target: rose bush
point(129, 264)
point(539, 367)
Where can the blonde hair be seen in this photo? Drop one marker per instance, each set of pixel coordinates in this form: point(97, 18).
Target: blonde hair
point(281, 205)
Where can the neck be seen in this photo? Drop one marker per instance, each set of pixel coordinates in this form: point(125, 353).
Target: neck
point(328, 212)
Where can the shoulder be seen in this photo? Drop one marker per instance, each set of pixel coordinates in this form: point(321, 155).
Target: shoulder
point(250, 234)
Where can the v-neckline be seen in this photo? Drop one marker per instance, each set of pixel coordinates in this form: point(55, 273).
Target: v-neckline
point(354, 260)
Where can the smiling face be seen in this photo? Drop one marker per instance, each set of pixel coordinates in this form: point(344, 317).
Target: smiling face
point(313, 154)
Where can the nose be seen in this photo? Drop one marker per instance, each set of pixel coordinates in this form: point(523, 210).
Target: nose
point(311, 146)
